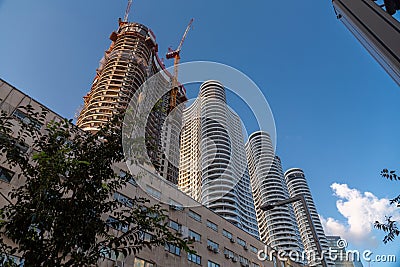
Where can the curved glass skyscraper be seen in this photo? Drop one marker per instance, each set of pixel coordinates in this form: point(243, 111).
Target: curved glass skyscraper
point(277, 227)
point(297, 185)
point(213, 167)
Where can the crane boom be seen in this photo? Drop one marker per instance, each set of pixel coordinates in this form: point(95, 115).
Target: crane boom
point(128, 9)
point(184, 35)
point(175, 54)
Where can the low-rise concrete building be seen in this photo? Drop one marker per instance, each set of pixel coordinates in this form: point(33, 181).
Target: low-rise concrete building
point(216, 241)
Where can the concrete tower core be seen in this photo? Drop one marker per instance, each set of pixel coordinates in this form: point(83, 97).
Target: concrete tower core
point(129, 61)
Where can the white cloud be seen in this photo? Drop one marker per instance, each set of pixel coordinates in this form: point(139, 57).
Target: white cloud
point(360, 210)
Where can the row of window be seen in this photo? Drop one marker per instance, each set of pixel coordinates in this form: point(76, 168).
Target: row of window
point(26, 119)
point(173, 249)
point(240, 241)
point(191, 234)
point(211, 245)
point(191, 257)
point(6, 175)
point(225, 233)
point(123, 199)
point(229, 254)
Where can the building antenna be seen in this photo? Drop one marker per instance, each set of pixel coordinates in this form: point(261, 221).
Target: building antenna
point(128, 9)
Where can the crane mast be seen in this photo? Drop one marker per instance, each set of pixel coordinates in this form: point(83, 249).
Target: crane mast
point(175, 54)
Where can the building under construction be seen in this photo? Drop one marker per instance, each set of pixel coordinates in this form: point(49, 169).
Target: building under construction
point(129, 61)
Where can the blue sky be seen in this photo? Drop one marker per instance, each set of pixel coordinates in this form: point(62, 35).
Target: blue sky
point(335, 108)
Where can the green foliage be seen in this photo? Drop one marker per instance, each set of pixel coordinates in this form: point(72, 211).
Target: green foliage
point(59, 214)
point(389, 174)
point(389, 226)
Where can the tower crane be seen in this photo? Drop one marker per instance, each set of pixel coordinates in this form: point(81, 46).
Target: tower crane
point(175, 54)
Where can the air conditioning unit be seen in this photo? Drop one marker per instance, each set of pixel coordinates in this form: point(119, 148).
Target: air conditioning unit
point(215, 250)
point(119, 264)
point(184, 231)
point(234, 259)
point(209, 247)
point(232, 240)
point(192, 238)
point(227, 255)
point(179, 232)
point(245, 247)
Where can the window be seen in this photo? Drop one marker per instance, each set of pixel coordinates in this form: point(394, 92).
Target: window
point(241, 242)
point(253, 249)
point(243, 260)
point(212, 244)
point(146, 236)
point(123, 199)
point(173, 249)
point(194, 215)
point(129, 177)
point(174, 225)
point(6, 175)
point(195, 236)
point(212, 226)
point(274, 260)
point(132, 181)
point(175, 205)
point(153, 192)
point(110, 254)
point(17, 261)
point(114, 223)
point(255, 265)
point(227, 234)
point(26, 120)
point(23, 148)
point(212, 264)
point(194, 258)
point(229, 253)
point(142, 263)
point(282, 264)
